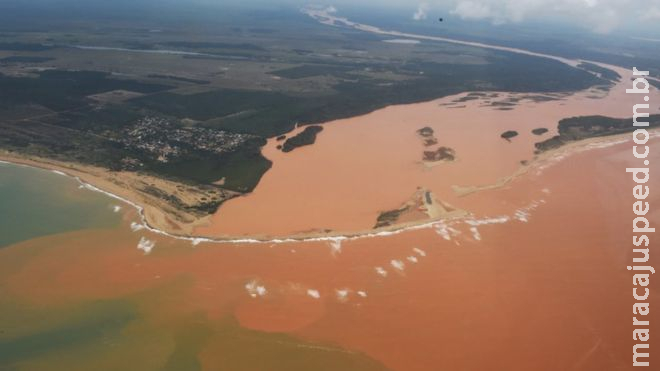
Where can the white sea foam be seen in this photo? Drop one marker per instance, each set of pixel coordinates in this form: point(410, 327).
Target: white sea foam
point(419, 251)
point(342, 294)
point(497, 220)
point(335, 245)
point(412, 259)
point(381, 271)
point(443, 230)
point(254, 289)
point(446, 231)
point(521, 215)
point(136, 226)
point(397, 264)
point(313, 293)
point(116, 208)
point(146, 245)
point(362, 294)
point(58, 172)
point(475, 233)
point(197, 241)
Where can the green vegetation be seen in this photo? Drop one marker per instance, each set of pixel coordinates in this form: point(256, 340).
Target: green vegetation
point(604, 73)
point(441, 154)
point(427, 135)
point(63, 90)
point(578, 128)
point(244, 111)
point(242, 169)
point(25, 59)
point(304, 138)
point(178, 78)
point(654, 83)
point(311, 70)
point(213, 45)
point(24, 47)
point(390, 217)
point(425, 132)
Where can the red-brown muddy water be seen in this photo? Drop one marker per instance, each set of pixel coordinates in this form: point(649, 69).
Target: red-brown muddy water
point(541, 286)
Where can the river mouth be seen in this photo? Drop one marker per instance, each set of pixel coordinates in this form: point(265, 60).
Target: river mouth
point(323, 189)
point(365, 169)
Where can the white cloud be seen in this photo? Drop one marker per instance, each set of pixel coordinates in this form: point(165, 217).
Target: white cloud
point(421, 12)
point(652, 14)
point(472, 10)
point(601, 16)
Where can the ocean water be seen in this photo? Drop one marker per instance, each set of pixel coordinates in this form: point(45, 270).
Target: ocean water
point(36, 203)
point(92, 300)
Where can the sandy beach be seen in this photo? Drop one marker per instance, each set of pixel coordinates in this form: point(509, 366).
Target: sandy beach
point(129, 187)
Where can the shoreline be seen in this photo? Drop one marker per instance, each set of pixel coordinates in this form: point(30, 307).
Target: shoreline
point(158, 221)
point(179, 220)
point(121, 186)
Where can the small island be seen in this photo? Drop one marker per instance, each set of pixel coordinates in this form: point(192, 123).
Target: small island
point(441, 154)
point(427, 135)
point(304, 138)
point(509, 134)
point(539, 131)
point(584, 127)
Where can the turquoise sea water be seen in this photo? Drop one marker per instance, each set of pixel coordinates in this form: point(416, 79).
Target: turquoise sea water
point(35, 203)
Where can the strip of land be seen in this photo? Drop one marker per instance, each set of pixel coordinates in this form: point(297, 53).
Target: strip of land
point(169, 206)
